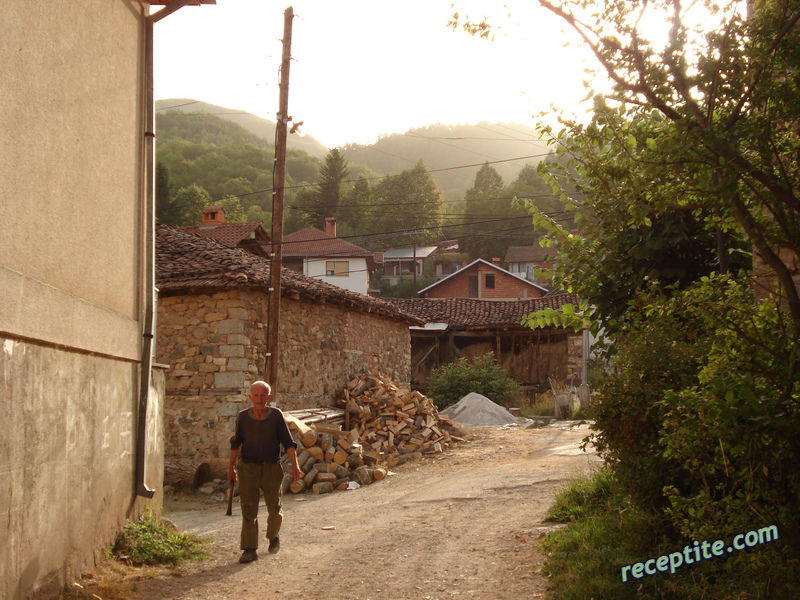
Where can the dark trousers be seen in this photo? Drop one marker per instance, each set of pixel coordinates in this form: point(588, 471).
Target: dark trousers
point(255, 479)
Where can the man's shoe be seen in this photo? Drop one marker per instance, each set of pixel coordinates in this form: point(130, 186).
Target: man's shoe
point(248, 555)
point(274, 545)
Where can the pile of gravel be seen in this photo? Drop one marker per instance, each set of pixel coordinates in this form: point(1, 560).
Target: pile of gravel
point(475, 410)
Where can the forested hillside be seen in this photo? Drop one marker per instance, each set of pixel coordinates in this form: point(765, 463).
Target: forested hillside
point(448, 149)
point(206, 159)
point(263, 129)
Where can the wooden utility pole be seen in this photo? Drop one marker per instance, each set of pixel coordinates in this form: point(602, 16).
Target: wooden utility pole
point(278, 178)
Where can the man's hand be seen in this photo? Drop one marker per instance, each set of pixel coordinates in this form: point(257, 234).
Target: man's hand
point(296, 472)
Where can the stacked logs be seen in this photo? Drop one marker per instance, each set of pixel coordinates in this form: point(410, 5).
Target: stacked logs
point(385, 425)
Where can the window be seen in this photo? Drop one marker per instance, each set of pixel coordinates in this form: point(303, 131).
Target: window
point(489, 281)
point(335, 268)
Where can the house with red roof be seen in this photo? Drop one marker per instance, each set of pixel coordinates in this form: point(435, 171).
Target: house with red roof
point(323, 256)
point(250, 236)
point(484, 280)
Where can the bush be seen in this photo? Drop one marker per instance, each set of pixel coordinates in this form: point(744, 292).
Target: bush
point(484, 376)
point(606, 532)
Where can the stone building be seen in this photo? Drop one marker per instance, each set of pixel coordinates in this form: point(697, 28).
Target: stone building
point(213, 303)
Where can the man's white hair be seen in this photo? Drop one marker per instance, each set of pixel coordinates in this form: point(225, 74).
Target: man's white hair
point(263, 384)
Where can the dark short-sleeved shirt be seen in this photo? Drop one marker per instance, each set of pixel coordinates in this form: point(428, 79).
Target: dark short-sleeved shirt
point(261, 441)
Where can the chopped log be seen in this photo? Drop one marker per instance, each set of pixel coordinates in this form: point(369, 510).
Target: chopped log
point(310, 438)
point(186, 472)
point(325, 477)
point(362, 475)
point(340, 471)
point(296, 424)
point(340, 457)
point(302, 456)
point(329, 454)
point(355, 460)
point(317, 453)
point(288, 478)
point(379, 473)
point(330, 430)
point(325, 487)
point(309, 478)
point(298, 486)
point(306, 466)
point(340, 484)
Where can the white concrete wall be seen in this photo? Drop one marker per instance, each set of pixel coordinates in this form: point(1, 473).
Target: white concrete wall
point(356, 281)
point(71, 241)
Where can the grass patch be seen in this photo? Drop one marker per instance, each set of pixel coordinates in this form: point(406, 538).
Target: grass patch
point(543, 406)
point(155, 541)
point(584, 497)
point(142, 551)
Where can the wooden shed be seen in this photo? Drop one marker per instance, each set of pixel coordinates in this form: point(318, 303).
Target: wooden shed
point(468, 328)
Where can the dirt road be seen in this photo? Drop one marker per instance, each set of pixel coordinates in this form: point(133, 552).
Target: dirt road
point(461, 525)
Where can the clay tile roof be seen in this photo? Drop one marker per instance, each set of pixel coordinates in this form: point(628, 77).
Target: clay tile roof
point(534, 253)
point(230, 234)
point(186, 262)
point(314, 242)
point(472, 313)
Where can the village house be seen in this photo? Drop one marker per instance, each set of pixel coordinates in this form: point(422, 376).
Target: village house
point(212, 320)
point(448, 259)
point(399, 263)
point(250, 235)
point(483, 280)
point(530, 262)
point(320, 254)
point(81, 450)
point(469, 328)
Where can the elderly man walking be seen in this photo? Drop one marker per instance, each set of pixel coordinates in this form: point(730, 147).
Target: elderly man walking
point(260, 432)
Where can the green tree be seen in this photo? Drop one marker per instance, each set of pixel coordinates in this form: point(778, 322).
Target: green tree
point(692, 155)
point(234, 212)
point(404, 204)
point(708, 118)
point(332, 177)
point(356, 208)
point(166, 212)
point(188, 203)
point(495, 216)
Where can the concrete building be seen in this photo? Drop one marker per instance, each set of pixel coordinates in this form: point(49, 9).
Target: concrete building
point(81, 449)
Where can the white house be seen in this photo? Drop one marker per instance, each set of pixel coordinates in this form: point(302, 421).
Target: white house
point(320, 254)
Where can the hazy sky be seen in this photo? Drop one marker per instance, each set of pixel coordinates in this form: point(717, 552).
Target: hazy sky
point(362, 68)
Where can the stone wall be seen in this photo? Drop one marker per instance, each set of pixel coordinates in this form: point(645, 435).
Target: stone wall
point(214, 346)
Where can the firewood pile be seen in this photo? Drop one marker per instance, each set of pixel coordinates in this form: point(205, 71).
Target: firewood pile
point(385, 425)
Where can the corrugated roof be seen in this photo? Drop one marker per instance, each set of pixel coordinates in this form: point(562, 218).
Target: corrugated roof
point(472, 313)
point(186, 262)
point(314, 242)
point(408, 253)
